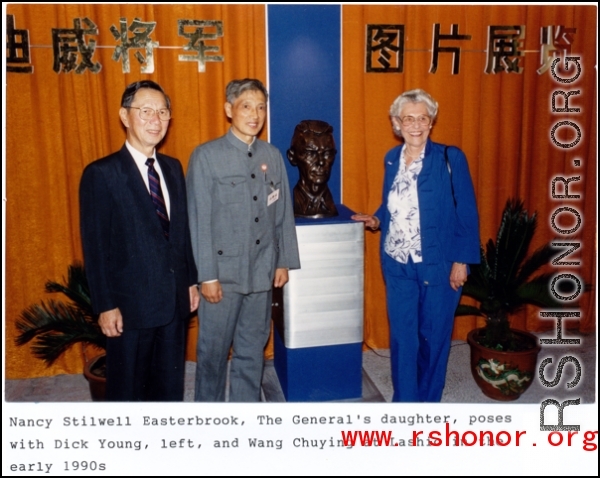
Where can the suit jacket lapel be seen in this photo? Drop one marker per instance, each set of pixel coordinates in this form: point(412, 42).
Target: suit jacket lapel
point(427, 168)
point(392, 169)
point(171, 184)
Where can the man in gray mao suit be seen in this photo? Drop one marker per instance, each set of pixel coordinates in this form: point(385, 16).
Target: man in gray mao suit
point(244, 243)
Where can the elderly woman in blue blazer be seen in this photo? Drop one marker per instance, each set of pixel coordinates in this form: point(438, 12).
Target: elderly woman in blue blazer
point(429, 233)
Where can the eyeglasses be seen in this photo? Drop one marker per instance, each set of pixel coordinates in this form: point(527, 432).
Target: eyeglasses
point(164, 114)
point(422, 120)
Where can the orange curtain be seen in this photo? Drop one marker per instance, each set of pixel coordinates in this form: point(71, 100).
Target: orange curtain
point(501, 121)
point(57, 123)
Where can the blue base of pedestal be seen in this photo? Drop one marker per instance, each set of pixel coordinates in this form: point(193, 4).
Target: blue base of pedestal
point(319, 374)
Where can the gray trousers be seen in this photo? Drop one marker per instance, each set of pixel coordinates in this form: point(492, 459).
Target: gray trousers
point(241, 321)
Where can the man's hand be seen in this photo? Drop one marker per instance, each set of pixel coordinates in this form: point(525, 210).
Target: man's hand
point(458, 275)
point(212, 291)
point(194, 298)
point(281, 277)
point(111, 322)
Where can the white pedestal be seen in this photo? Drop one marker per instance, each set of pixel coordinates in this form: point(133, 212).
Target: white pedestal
point(318, 348)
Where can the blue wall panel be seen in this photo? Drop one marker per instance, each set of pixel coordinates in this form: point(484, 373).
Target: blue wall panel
point(304, 76)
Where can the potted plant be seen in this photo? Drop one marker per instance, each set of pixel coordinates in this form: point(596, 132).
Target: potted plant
point(54, 326)
point(503, 359)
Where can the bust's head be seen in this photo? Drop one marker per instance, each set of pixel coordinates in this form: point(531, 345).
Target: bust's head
point(313, 151)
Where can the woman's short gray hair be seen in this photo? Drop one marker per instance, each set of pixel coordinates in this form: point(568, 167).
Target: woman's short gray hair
point(236, 87)
point(415, 96)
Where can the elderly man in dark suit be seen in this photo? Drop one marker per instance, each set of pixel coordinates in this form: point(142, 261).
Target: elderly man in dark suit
point(138, 256)
point(244, 241)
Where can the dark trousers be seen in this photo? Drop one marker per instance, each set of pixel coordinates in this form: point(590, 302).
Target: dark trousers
point(421, 317)
point(147, 364)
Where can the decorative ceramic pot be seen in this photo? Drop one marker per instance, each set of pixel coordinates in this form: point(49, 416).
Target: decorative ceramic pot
point(503, 375)
point(94, 372)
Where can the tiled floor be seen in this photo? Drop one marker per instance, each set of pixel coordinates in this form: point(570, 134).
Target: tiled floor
point(376, 383)
point(75, 388)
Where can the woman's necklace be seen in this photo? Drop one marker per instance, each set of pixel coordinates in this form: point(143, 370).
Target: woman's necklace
point(410, 157)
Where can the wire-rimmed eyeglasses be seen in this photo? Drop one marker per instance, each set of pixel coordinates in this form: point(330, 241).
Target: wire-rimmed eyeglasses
point(422, 120)
point(164, 114)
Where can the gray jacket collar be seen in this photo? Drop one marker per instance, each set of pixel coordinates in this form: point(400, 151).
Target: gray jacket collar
point(239, 144)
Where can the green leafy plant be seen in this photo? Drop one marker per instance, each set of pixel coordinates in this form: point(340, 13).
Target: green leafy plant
point(54, 326)
point(504, 281)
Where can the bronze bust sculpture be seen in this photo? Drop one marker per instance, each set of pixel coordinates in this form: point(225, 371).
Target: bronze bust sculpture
point(313, 151)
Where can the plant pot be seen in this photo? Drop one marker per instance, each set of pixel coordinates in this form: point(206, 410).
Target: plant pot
point(503, 375)
point(94, 372)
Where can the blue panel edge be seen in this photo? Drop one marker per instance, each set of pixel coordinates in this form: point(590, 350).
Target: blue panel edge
point(304, 54)
point(319, 374)
point(343, 217)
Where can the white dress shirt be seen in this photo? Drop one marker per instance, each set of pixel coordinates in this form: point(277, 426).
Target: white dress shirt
point(140, 161)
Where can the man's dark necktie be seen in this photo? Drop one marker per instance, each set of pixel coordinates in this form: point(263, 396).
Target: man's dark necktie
point(157, 196)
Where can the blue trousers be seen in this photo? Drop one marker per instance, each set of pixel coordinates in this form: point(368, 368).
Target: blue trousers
point(421, 317)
